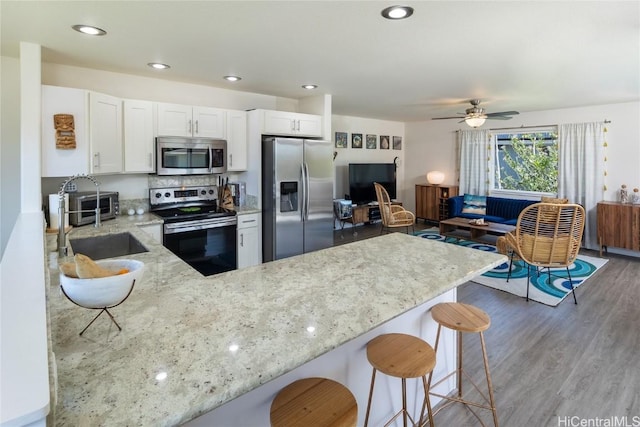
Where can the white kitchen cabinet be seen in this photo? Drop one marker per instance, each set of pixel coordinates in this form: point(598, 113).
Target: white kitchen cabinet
point(248, 240)
point(236, 140)
point(105, 133)
point(138, 136)
point(185, 120)
point(297, 124)
point(58, 162)
point(155, 230)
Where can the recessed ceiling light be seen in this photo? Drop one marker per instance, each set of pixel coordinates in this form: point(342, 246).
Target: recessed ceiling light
point(88, 29)
point(310, 87)
point(158, 65)
point(397, 12)
point(232, 78)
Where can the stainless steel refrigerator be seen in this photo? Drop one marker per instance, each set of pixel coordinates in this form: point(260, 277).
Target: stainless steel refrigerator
point(297, 196)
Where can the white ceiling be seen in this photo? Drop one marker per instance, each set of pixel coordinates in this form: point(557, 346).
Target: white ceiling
point(517, 55)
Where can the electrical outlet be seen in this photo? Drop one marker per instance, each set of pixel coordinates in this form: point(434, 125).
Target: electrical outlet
point(72, 187)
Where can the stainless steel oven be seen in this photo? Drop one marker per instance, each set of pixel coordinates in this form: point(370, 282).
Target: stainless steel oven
point(196, 229)
point(208, 245)
point(190, 156)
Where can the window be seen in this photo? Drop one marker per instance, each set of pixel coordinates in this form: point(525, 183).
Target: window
point(528, 161)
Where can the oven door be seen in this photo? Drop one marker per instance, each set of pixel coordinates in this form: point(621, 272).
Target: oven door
point(207, 245)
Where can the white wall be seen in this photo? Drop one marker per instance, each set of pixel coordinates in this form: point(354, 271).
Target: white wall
point(363, 155)
point(431, 144)
point(9, 148)
point(159, 90)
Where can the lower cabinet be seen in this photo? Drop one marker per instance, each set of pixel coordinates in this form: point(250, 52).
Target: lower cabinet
point(618, 225)
point(249, 247)
point(431, 201)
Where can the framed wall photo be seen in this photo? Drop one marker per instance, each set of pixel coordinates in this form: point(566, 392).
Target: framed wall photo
point(384, 142)
point(356, 140)
point(397, 143)
point(372, 141)
point(341, 140)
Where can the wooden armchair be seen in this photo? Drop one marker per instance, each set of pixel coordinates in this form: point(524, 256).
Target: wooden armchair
point(392, 215)
point(547, 235)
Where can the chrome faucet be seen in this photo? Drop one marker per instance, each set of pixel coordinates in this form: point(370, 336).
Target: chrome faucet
point(62, 247)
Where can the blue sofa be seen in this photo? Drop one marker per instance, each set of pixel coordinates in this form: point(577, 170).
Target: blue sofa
point(499, 209)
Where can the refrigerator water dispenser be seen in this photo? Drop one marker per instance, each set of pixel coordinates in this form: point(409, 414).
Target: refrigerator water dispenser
point(288, 196)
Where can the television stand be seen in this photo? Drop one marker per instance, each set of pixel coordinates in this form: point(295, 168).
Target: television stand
point(365, 214)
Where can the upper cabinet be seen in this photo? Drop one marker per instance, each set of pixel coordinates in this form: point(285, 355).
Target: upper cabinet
point(236, 140)
point(65, 146)
point(105, 133)
point(184, 120)
point(138, 136)
point(88, 132)
point(297, 124)
point(95, 133)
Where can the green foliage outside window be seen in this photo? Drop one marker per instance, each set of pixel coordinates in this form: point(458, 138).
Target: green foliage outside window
point(529, 163)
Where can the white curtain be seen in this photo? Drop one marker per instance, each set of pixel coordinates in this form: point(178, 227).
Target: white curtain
point(581, 171)
point(476, 154)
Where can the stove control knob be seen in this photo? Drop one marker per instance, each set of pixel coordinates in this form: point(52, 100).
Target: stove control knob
point(158, 195)
point(203, 192)
point(210, 191)
point(167, 194)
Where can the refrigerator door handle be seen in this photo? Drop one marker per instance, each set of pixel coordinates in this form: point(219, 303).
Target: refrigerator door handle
point(305, 183)
point(303, 190)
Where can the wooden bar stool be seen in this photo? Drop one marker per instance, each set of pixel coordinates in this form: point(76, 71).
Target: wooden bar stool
point(402, 356)
point(314, 402)
point(464, 318)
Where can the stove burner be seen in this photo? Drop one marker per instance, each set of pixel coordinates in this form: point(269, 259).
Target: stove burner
point(190, 210)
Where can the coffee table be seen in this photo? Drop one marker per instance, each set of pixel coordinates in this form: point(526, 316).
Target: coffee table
point(451, 228)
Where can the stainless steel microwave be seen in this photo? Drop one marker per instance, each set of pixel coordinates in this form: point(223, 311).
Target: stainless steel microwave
point(190, 156)
point(82, 206)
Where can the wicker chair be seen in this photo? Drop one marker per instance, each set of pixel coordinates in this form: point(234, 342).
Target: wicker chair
point(548, 235)
point(393, 216)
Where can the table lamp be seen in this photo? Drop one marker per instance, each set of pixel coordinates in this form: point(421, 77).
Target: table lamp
point(435, 177)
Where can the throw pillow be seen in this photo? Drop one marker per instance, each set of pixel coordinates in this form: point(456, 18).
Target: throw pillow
point(553, 200)
point(474, 204)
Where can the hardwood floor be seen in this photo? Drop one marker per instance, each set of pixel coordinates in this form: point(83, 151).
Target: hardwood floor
point(549, 364)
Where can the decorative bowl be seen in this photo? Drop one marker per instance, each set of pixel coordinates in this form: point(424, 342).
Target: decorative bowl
point(103, 292)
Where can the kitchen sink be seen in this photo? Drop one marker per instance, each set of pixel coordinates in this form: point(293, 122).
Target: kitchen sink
point(109, 246)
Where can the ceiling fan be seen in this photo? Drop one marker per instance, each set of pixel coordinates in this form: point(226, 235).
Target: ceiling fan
point(475, 116)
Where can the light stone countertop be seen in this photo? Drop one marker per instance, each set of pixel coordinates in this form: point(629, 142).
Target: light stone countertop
point(188, 326)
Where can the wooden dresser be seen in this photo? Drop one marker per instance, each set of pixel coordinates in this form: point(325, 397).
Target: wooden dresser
point(619, 225)
point(431, 201)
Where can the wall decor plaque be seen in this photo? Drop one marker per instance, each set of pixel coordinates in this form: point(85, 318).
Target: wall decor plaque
point(65, 131)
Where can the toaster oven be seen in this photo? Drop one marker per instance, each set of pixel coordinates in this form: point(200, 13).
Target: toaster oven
point(82, 206)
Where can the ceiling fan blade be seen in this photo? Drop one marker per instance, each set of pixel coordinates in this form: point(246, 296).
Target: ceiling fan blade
point(444, 118)
point(503, 113)
point(499, 117)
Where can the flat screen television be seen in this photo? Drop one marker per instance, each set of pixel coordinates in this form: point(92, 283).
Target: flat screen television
point(363, 175)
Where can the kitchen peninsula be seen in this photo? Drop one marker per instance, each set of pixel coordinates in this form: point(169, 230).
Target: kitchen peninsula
point(192, 346)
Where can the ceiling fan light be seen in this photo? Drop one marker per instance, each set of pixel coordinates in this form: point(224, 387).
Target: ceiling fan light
point(475, 122)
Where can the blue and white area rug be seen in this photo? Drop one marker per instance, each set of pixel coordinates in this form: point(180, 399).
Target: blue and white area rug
point(540, 289)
